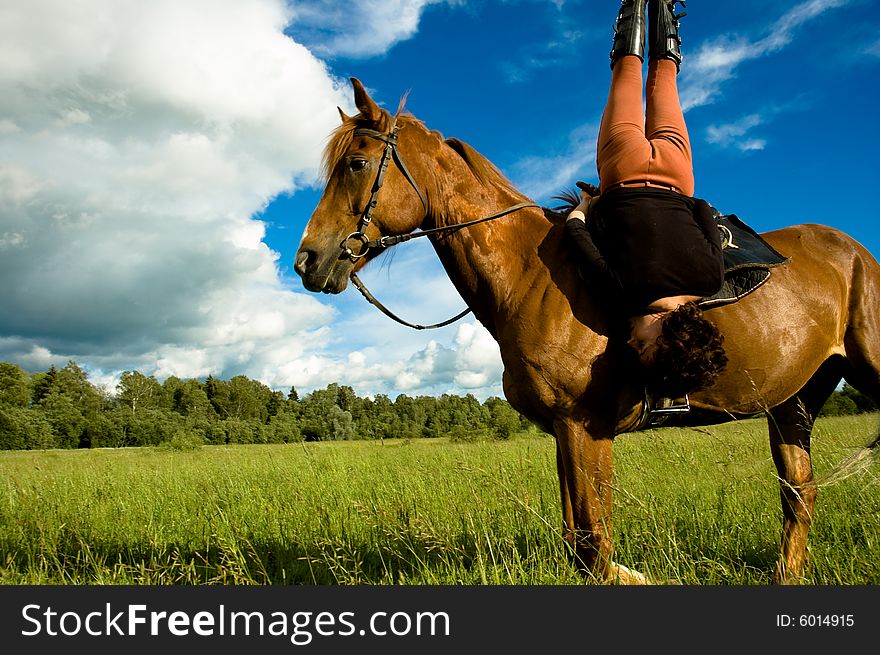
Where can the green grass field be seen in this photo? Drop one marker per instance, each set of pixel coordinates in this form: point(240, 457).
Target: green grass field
point(696, 506)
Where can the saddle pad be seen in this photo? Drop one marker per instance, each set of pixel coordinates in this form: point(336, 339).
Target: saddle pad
point(747, 261)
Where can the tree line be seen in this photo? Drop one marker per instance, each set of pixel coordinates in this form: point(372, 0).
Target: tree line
point(61, 408)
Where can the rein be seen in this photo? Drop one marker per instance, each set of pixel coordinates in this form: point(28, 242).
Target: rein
point(367, 245)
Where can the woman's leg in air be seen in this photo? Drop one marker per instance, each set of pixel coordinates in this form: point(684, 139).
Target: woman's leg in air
point(623, 152)
point(665, 128)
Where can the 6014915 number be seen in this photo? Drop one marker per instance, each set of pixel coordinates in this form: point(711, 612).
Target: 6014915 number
point(826, 620)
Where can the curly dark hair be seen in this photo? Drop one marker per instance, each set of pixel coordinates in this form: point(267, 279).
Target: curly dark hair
point(689, 353)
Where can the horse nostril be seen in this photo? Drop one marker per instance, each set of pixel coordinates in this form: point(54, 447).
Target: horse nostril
point(301, 263)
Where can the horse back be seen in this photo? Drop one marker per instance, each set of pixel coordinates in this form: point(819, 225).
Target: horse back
point(778, 337)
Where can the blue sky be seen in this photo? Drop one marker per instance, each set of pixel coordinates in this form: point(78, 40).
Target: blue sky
point(158, 163)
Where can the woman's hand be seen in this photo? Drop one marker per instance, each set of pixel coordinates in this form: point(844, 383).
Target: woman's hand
point(582, 210)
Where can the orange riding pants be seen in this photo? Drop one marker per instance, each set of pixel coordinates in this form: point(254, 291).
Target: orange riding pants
point(636, 147)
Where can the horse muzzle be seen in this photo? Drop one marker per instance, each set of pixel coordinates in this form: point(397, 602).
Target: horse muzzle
point(325, 275)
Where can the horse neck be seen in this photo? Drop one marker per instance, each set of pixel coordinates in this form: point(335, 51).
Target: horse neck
point(488, 262)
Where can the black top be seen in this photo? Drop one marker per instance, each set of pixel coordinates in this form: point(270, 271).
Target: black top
point(645, 243)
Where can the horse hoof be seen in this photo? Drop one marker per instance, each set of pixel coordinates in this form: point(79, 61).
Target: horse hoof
point(623, 575)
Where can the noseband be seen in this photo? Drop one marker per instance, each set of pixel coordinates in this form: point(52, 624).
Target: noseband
point(367, 245)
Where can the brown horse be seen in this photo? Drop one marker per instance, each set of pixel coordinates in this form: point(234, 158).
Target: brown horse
point(566, 364)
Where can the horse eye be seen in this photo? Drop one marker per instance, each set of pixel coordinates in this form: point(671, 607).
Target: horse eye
point(357, 164)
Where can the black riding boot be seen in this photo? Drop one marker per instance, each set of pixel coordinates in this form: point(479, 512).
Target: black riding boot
point(629, 31)
point(663, 39)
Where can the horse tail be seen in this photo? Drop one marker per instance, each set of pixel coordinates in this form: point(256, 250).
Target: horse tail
point(857, 463)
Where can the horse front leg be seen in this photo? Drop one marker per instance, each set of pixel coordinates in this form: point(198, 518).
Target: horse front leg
point(585, 467)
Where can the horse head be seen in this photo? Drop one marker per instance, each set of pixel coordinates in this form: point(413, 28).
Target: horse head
point(369, 194)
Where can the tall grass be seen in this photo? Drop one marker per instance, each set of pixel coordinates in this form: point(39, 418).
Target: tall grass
point(695, 506)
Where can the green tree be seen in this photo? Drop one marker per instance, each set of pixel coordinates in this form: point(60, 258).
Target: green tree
point(210, 428)
point(169, 390)
point(14, 386)
point(847, 401)
point(190, 399)
point(476, 415)
point(462, 434)
point(73, 382)
point(285, 428)
point(863, 403)
point(137, 391)
point(382, 413)
point(838, 405)
point(66, 418)
point(315, 413)
point(341, 424)
point(24, 428)
point(240, 398)
point(411, 415)
point(249, 399)
point(505, 420)
point(150, 427)
point(43, 384)
point(243, 431)
point(104, 430)
point(276, 404)
point(346, 399)
point(218, 393)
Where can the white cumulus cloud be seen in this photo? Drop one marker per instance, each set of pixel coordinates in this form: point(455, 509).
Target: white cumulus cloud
point(137, 141)
point(716, 61)
point(732, 134)
point(358, 29)
point(542, 177)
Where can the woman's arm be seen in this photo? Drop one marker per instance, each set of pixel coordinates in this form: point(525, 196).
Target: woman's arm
point(590, 260)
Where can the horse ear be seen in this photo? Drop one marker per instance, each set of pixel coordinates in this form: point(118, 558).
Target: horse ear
point(364, 102)
point(345, 117)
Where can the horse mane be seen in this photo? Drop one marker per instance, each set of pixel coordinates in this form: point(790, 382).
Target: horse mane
point(487, 173)
point(483, 169)
point(569, 199)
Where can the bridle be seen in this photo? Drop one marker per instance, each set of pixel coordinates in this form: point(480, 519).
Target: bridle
point(359, 236)
point(390, 153)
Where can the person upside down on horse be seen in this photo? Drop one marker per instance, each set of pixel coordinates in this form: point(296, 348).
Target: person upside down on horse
point(645, 241)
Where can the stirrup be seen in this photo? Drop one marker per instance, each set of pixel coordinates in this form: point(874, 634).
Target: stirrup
point(655, 411)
